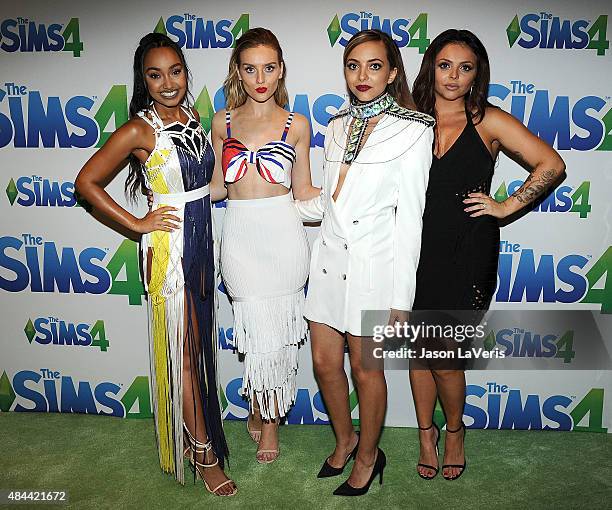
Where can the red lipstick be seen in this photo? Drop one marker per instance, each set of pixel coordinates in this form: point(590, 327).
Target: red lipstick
point(261, 90)
point(363, 88)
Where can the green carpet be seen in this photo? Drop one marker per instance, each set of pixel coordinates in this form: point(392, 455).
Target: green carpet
point(112, 463)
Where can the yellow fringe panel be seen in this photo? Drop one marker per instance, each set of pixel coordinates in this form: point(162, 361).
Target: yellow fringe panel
point(161, 255)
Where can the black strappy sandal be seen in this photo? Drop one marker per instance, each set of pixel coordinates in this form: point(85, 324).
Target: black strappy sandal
point(420, 464)
point(462, 466)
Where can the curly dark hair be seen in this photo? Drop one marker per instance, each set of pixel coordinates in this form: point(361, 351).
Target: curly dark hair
point(476, 101)
point(141, 99)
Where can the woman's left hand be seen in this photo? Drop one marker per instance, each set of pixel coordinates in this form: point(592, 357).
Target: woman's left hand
point(480, 204)
point(398, 316)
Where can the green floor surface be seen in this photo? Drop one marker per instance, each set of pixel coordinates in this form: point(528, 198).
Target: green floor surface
point(112, 463)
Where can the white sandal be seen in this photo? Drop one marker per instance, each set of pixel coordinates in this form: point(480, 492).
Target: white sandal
point(196, 448)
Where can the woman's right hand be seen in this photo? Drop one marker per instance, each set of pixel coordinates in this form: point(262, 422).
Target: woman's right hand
point(159, 219)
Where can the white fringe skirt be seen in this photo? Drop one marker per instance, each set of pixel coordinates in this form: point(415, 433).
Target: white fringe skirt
point(264, 264)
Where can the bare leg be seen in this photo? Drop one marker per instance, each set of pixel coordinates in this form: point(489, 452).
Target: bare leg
point(193, 414)
point(255, 423)
point(372, 390)
point(268, 446)
point(328, 361)
point(424, 393)
point(451, 388)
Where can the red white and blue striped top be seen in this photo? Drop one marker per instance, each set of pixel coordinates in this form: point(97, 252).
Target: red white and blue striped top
point(273, 161)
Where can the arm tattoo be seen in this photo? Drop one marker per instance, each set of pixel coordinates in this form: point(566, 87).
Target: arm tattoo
point(533, 188)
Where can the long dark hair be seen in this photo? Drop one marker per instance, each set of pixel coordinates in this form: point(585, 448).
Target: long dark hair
point(476, 100)
point(399, 88)
point(141, 99)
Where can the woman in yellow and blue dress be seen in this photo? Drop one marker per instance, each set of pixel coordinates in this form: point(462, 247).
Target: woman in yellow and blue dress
point(171, 157)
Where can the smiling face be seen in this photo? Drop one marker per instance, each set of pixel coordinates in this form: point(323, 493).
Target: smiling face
point(165, 76)
point(367, 70)
point(259, 70)
point(455, 71)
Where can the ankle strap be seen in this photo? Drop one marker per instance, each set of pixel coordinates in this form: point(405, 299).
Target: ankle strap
point(426, 428)
point(198, 446)
point(206, 465)
point(462, 426)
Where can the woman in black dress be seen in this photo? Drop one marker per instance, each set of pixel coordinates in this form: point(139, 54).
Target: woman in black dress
point(460, 243)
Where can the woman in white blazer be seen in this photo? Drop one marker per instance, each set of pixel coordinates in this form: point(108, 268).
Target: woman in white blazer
point(377, 160)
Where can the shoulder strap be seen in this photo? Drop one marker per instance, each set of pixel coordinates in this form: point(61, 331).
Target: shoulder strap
point(228, 125)
point(142, 114)
point(154, 121)
point(188, 111)
point(287, 126)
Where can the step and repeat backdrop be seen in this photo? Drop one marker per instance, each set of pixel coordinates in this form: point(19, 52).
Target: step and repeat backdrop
point(73, 310)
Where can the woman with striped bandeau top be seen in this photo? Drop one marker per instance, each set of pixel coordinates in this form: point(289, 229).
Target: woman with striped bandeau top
point(263, 152)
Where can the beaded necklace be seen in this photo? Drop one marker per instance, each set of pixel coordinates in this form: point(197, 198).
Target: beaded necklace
point(361, 113)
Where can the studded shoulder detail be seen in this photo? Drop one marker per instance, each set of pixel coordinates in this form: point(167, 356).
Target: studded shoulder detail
point(404, 113)
point(396, 111)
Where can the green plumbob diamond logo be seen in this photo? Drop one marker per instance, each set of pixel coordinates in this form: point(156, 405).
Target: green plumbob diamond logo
point(204, 107)
point(29, 330)
point(334, 30)
point(192, 32)
point(11, 191)
point(406, 32)
point(513, 31)
point(544, 30)
point(7, 395)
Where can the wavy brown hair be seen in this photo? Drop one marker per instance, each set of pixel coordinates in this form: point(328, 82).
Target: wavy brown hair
point(235, 94)
point(398, 88)
point(476, 101)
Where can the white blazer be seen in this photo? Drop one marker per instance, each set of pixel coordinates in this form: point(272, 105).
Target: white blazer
point(367, 251)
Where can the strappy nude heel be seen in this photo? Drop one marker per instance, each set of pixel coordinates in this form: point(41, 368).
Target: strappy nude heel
point(197, 448)
point(274, 457)
point(254, 433)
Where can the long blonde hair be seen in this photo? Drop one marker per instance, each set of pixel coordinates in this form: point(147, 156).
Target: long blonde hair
point(235, 94)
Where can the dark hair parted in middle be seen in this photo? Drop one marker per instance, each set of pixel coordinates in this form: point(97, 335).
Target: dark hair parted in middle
point(399, 87)
point(141, 99)
point(476, 100)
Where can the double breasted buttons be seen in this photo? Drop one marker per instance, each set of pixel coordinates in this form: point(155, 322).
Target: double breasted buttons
point(344, 277)
point(323, 242)
point(355, 222)
point(324, 271)
point(345, 246)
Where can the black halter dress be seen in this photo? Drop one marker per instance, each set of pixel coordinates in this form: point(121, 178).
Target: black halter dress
point(458, 264)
